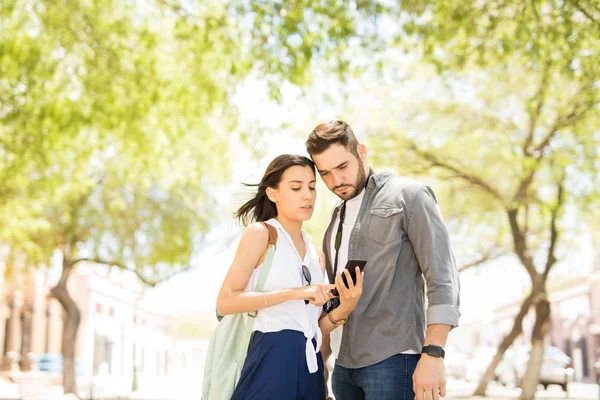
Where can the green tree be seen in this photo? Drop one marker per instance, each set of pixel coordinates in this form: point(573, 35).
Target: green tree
point(290, 39)
point(556, 44)
point(113, 120)
point(125, 216)
point(109, 137)
point(512, 173)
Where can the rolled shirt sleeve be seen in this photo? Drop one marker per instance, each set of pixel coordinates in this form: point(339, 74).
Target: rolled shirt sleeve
point(431, 242)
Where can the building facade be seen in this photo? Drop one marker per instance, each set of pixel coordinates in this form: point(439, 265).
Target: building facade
point(575, 324)
point(122, 342)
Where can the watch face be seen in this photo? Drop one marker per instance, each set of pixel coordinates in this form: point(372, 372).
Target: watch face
point(434, 351)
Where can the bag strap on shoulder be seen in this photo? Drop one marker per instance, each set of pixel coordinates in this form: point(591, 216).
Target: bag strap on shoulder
point(272, 234)
point(268, 261)
point(262, 277)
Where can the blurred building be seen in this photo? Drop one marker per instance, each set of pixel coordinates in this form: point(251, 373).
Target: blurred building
point(576, 323)
point(575, 327)
point(122, 341)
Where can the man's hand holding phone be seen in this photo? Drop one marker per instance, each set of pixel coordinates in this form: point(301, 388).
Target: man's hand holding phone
point(349, 295)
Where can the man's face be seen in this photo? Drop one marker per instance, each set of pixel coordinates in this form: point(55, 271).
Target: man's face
point(342, 172)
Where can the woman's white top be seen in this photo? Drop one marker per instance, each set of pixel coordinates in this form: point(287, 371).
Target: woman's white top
point(286, 273)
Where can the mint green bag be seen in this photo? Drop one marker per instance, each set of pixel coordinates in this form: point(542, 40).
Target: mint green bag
point(229, 343)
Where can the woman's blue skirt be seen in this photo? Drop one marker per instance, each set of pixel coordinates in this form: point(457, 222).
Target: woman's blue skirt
point(276, 369)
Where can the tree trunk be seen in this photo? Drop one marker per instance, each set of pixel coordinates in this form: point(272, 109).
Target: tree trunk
point(504, 345)
point(536, 357)
point(71, 325)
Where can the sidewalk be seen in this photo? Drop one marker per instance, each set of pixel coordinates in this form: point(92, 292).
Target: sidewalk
point(457, 390)
point(8, 390)
point(30, 386)
point(577, 391)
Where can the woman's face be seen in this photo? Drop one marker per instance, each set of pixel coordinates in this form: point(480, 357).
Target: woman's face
point(295, 196)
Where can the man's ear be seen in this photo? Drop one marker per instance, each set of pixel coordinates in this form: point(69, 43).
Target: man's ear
point(362, 151)
point(272, 194)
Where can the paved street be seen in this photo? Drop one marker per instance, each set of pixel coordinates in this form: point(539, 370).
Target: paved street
point(188, 388)
point(577, 391)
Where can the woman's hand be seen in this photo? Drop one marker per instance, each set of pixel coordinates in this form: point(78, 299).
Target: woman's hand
point(349, 295)
point(317, 294)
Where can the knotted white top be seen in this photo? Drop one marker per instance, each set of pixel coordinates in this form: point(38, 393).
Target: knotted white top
point(286, 273)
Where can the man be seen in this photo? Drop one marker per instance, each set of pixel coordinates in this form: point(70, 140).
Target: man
point(391, 343)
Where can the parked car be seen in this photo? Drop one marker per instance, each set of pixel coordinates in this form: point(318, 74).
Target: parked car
point(53, 363)
point(557, 368)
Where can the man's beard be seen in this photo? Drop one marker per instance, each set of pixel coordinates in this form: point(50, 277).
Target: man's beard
point(361, 182)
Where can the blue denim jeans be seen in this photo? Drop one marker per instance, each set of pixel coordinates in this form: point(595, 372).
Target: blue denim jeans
point(391, 379)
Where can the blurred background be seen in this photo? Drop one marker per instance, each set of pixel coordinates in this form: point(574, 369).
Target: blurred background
point(127, 128)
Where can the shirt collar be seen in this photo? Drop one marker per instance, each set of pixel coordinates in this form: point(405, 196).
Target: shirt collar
point(378, 179)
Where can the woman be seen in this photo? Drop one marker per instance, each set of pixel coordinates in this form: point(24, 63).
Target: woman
point(283, 361)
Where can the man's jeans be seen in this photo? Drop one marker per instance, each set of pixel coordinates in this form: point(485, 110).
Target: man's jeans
point(390, 379)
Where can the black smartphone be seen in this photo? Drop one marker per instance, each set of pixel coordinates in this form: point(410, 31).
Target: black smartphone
point(351, 267)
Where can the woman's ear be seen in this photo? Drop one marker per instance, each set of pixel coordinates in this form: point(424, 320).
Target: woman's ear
point(272, 194)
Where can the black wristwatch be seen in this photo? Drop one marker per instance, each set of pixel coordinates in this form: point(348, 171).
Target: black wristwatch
point(331, 305)
point(433, 351)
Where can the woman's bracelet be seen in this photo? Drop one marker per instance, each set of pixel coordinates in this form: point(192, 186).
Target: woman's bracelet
point(336, 323)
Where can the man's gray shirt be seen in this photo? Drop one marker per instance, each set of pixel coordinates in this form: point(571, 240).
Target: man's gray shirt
point(401, 234)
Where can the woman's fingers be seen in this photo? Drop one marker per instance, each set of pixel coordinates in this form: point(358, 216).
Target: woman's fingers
point(349, 279)
point(325, 291)
point(322, 294)
point(318, 294)
point(339, 284)
point(316, 298)
point(329, 286)
point(359, 277)
point(311, 294)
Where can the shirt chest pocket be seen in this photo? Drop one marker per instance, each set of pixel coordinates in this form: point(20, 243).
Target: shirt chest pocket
point(384, 226)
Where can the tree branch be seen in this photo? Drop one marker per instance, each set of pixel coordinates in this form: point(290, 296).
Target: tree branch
point(67, 265)
point(536, 13)
point(523, 188)
point(566, 120)
point(535, 114)
point(520, 243)
point(472, 179)
point(488, 257)
point(123, 267)
point(553, 230)
point(575, 114)
point(585, 12)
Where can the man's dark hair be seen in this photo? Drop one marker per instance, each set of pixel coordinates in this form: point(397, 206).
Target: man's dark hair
point(333, 132)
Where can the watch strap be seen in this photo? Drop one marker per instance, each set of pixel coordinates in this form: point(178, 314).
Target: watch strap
point(434, 351)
